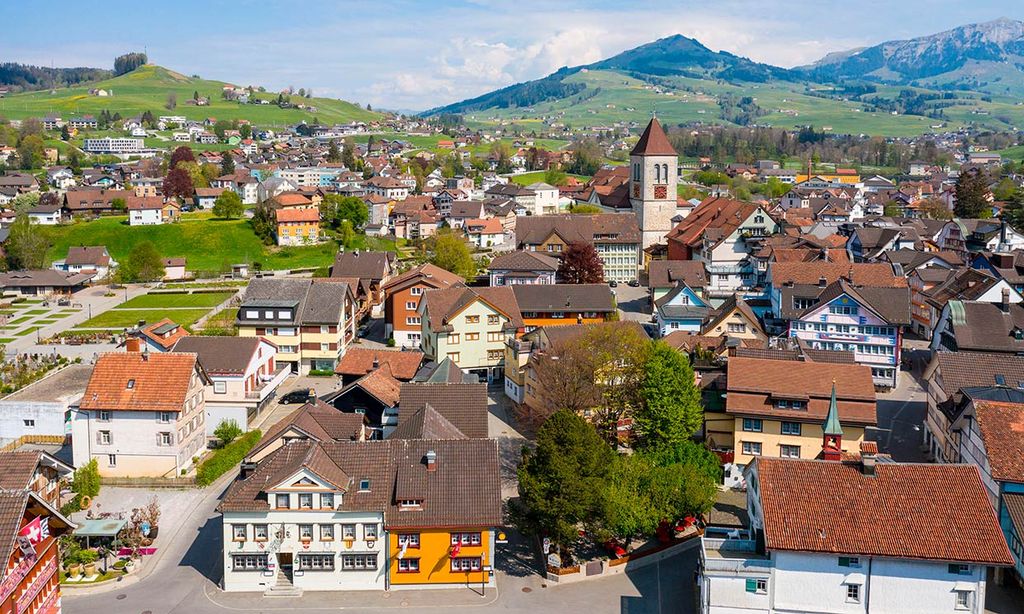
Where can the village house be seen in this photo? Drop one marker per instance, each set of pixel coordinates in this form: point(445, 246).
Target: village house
point(371, 270)
point(142, 414)
point(31, 530)
point(807, 547)
point(402, 296)
point(93, 259)
point(615, 236)
point(243, 376)
point(151, 211)
point(784, 408)
point(311, 322)
point(522, 268)
point(364, 515)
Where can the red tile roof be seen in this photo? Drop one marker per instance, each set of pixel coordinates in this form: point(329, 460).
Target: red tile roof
point(297, 215)
point(875, 274)
point(653, 142)
point(359, 361)
point(135, 381)
point(167, 339)
point(1002, 430)
point(904, 511)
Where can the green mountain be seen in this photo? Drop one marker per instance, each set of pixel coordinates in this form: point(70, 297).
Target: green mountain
point(986, 57)
point(27, 78)
point(151, 88)
point(685, 82)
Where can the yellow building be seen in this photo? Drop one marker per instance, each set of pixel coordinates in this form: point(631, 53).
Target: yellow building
point(433, 557)
point(843, 175)
point(735, 319)
point(788, 408)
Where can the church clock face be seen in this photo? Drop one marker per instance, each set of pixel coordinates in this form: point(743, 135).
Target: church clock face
point(661, 191)
point(636, 190)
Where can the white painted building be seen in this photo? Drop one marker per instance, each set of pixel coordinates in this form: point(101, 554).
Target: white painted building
point(142, 415)
point(887, 537)
point(110, 145)
point(545, 200)
point(41, 409)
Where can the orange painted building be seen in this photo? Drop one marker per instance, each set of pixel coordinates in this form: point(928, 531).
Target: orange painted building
point(31, 582)
point(402, 296)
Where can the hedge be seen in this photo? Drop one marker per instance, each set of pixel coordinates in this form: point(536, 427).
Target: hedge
point(222, 460)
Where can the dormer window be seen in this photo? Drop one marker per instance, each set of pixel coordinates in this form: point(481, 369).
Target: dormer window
point(327, 500)
point(281, 502)
point(131, 384)
point(410, 503)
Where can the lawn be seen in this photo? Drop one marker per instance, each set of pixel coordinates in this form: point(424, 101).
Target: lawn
point(127, 318)
point(206, 243)
point(535, 176)
point(37, 312)
point(27, 331)
point(46, 321)
point(6, 340)
point(21, 320)
point(156, 301)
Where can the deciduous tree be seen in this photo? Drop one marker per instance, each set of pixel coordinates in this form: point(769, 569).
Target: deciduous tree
point(142, 264)
point(228, 205)
point(26, 246)
point(451, 253)
point(181, 154)
point(581, 264)
point(670, 410)
point(178, 184)
point(264, 223)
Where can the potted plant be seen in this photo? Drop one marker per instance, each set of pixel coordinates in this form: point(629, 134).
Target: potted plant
point(88, 559)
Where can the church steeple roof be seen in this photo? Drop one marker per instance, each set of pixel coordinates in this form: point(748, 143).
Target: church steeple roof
point(653, 142)
point(832, 426)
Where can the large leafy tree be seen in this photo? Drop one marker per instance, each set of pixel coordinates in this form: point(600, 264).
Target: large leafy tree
point(670, 409)
point(452, 254)
point(560, 480)
point(971, 195)
point(228, 205)
point(263, 223)
point(142, 264)
point(182, 154)
point(335, 208)
point(581, 264)
point(26, 246)
point(178, 184)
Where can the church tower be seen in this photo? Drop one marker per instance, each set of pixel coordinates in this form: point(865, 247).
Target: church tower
point(832, 431)
point(652, 183)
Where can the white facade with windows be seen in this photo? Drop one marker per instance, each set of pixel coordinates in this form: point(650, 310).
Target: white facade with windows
point(307, 538)
point(113, 145)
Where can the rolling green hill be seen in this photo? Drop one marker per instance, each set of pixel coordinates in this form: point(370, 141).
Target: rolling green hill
point(147, 89)
point(685, 82)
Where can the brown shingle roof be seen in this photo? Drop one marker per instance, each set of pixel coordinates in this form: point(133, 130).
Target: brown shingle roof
point(136, 381)
point(668, 273)
point(427, 423)
point(221, 355)
point(442, 304)
point(966, 369)
point(754, 382)
point(930, 512)
point(523, 261)
point(381, 385)
point(318, 420)
point(95, 255)
point(714, 218)
point(360, 361)
point(427, 274)
point(875, 274)
point(610, 227)
point(464, 405)
point(364, 265)
point(1002, 430)
point(564, 297)
point(297, 215)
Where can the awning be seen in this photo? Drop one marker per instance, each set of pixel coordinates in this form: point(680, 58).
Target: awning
point(101, 527)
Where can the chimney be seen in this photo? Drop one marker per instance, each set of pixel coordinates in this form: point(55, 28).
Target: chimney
point(868, 456)
point(376, 362)
point(1004, 305)
point(431, 457)
point(133, 344)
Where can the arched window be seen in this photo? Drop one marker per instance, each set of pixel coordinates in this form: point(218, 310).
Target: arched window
point(657, 174)
point(664, 171)
point(636, 171)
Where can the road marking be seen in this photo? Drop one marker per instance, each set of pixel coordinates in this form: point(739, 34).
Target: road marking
point(306, 608)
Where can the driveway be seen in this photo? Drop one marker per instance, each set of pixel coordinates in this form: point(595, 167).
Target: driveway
point(901, 416)
point(633, 303)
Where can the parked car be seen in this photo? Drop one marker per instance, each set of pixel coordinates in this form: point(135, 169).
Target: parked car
point(302, 395)
point(634, 283)
point(613, 284)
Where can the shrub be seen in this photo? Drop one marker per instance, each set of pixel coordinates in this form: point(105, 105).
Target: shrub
point(227, 431)
point(391, 342)
point(222, 460)
point(321, 372)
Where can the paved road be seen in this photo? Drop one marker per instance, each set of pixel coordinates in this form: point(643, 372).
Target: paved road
point(901, 415)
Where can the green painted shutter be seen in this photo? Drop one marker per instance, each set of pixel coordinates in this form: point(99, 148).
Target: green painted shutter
point(751, 585)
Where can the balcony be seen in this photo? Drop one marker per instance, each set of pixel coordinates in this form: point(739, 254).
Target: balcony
point(733, 556)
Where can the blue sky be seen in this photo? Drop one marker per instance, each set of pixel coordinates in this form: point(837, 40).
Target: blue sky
point(414, 55)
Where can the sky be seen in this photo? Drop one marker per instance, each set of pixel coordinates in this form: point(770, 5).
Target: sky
point(414, 55)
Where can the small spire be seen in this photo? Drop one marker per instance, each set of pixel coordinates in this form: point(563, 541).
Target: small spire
point(832, 425)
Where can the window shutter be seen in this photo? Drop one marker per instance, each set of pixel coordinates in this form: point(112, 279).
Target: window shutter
point(844, 561)
point(99, 437)
point(751, 585)
point(159, 439)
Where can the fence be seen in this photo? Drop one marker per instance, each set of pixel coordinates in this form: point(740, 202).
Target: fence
point(36, 439)
point(600, 568)
point(149, 482)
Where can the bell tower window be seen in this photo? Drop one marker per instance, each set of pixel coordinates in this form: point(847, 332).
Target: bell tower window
point(636, 171)
point(657, 173)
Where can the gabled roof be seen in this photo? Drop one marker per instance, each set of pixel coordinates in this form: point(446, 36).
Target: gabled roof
point(319, 421)
point(715, 218)
point(403, 364)
point(1002, 429)
point(137, 381)
point(984, 327)
point(380, 384)
point(18, 468)
point(964, 284)
point(317, 302)
point(653, 141)
point(443, 304)
point(426, 274)
point(164, 333)
point(967, 369)
point(427, 423)
point(904, 511)
point(93, 255)
point(221, 355)
point(464, 405)
point(668, 273)
point(297, 215)
point(362, 264)
point(521, 260)
point(598, 228)
point(890, 304)
point(564, 297)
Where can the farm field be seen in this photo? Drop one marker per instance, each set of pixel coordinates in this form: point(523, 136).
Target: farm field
point(535, 176)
